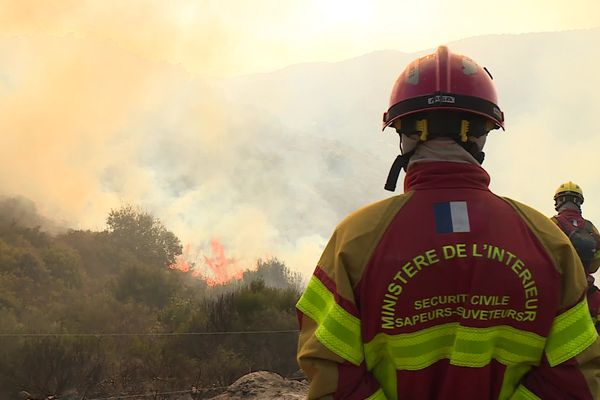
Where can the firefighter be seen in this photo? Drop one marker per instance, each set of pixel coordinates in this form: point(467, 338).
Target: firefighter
point(447, 291)
point(583, 235)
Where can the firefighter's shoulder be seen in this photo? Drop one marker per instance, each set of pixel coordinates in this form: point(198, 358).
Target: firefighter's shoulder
point(549, 234)
point(372, 218)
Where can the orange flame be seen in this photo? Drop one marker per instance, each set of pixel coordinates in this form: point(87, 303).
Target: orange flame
point(219, 269)
point(182, 264)
point(220, 266)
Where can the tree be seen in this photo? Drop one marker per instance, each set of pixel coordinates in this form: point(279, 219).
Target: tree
point(64, 263)
point(22, 261)
point(275, 274)
point(144, 235)
point(146, 285)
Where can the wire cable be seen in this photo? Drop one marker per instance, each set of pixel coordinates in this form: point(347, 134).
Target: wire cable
point(132, 396)
point(101, 334)
point(150, 394)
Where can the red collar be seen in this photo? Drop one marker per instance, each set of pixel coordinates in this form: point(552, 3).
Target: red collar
point(445, 175)
point(570, 213)
point(568, 216)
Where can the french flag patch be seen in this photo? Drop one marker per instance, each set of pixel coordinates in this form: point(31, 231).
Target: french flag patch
point(451, 217)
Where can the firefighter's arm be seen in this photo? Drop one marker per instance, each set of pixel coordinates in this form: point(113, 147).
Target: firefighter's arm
point(331, 375)
point(570, 368)
point(330, 348)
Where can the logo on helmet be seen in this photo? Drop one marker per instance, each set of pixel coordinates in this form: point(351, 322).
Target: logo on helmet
point(413, 75)
point(469, 67)
point(441, 99)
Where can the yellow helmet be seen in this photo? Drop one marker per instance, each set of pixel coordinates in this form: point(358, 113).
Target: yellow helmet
point(568, 191)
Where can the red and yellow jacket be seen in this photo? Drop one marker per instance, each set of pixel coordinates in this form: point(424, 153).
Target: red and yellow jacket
point(448, 292)
point(568, 220)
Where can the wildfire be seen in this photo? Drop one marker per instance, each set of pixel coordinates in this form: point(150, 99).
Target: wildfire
point(218, 269)
point(220, 266)
point(181, 262)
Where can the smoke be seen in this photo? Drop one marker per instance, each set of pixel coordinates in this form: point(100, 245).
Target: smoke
point(184, 32)
point(22, 212)
point(87, 126)
point(265, 164)
point(61, 108)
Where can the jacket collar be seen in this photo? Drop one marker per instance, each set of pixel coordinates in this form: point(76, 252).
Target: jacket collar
point(569, 211)
point(446, 175)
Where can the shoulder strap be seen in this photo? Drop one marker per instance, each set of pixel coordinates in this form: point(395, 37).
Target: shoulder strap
point(589, 227)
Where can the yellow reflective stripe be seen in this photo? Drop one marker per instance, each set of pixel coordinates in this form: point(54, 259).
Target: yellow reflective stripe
point(572, 332)
point(522, 393)
point(338, 330)
point(513, 374)
point(463, 346)
point(378, 395)
point(386, 374)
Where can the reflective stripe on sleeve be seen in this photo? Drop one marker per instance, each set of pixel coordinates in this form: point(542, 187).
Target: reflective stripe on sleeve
point(572, 332)
point(522, 393)
point(338, 330)
point(378, 395)
point(463, 346)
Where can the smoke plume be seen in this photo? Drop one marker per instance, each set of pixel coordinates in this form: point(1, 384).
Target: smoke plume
point(92, 117)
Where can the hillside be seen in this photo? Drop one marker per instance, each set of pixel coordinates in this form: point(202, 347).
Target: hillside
point(99, 314)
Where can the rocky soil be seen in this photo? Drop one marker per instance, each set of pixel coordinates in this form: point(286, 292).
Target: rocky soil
point(261, 385)
point(264, 385)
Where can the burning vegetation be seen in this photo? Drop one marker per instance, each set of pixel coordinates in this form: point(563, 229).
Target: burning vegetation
point(128, 286)
point(215, 269)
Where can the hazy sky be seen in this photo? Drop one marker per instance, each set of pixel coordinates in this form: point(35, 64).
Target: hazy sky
point(224, 37)
point(105, 102)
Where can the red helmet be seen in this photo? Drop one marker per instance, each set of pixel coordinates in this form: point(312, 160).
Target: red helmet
point(444, 81)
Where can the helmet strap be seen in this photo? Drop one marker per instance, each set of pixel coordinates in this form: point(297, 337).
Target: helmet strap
point(401, 162)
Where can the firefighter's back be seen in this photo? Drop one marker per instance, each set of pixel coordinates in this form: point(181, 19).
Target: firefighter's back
point(460, 293)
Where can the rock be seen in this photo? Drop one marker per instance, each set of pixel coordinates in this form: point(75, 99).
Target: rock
point(299, 375)
point(24, 395)
point(264, 385)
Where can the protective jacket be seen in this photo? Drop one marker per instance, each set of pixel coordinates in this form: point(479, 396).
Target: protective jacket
point(569, 220)
point(448, 292)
